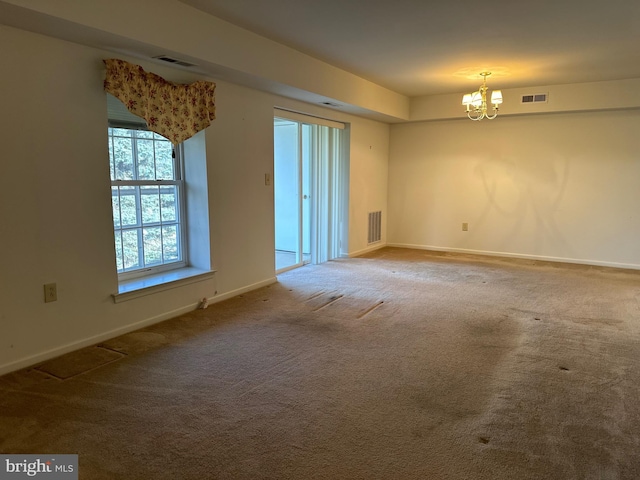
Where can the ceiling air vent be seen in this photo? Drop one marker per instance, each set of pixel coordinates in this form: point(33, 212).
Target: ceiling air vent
point(535, 98)
point(175, 61)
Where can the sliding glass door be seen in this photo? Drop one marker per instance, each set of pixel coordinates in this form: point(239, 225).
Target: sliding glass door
point(310, 182)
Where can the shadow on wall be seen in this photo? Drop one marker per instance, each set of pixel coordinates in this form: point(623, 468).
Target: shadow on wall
point(530, 183)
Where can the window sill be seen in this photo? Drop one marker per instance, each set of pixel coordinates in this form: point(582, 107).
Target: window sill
point(139, 287)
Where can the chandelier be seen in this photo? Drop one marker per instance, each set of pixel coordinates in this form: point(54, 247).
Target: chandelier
point(476, 102)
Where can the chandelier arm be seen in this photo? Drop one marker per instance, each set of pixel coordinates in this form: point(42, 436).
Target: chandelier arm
point(495, 114)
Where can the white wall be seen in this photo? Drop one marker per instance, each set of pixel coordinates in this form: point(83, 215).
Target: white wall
point(368, 182)
point(555, 186)
point(55, 199)
point(239, 153)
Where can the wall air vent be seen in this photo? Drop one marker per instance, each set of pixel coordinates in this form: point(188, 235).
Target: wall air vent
point(375, 227)
point(535, 98)
point(174, 61)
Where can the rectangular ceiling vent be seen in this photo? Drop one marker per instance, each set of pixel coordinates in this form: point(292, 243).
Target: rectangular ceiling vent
point(535, 98)
point(174, 61)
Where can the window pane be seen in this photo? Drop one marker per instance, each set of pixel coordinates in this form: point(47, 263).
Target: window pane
point(119, 258)
point(112, 170)
point(168, 203)
point(170, 243)
point(130, 249)
point(128, 206)
point(164, 160)
point(152, 245)
point(143, 134)
point(150, 197)
point(115, 206)
point(123, 158)
point(146, 167)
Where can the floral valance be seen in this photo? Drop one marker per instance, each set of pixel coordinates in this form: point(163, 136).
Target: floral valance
point(173, 110)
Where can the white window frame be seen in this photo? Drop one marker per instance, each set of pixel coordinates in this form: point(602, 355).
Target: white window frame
point(179, 183)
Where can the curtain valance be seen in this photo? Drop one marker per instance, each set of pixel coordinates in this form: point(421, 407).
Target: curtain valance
point(173, 110)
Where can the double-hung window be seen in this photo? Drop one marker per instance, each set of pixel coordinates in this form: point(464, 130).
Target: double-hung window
point(147, 195)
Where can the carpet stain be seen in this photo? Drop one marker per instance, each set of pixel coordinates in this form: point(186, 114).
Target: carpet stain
point(609, 322)
point(333, 299)
point(78, 362)
point(317, 294)
point(135, 343)
point(370, 309)
point(24, 378)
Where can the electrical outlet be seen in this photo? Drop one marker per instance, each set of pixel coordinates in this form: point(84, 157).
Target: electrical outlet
point(50, 292)
point(465, 227)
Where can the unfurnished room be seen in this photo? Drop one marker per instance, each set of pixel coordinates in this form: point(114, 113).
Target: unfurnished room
point(320, 240)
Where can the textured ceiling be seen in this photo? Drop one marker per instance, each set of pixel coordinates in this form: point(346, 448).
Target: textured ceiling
point(421, 47)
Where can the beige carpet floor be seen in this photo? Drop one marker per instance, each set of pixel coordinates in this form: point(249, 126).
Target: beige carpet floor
point(401, 364)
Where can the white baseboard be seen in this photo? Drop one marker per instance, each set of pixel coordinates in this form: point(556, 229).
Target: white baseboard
point(240, 291)
point(33, 360)
point(525, 256)
point(377, 246)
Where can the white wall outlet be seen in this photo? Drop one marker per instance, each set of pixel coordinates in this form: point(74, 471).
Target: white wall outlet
point(50, 292)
